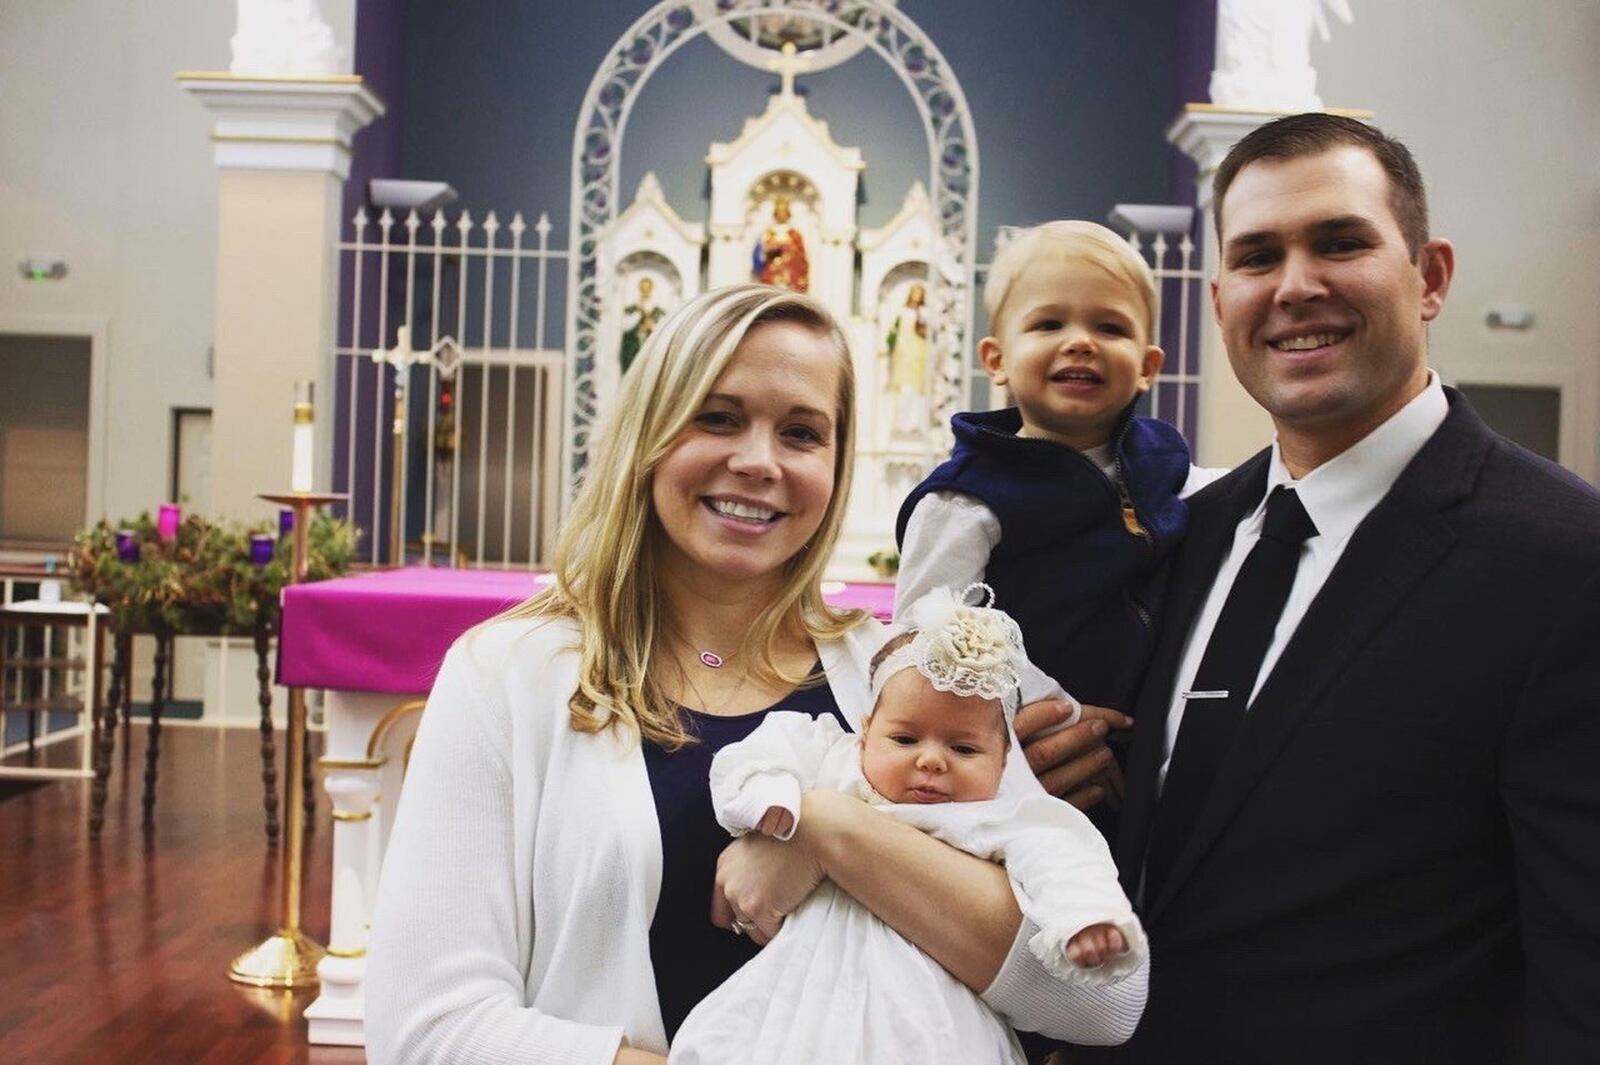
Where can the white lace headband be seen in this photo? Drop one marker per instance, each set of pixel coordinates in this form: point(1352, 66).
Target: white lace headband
point(960, 648)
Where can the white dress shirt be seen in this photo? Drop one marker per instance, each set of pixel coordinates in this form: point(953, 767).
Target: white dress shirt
point(1337, 495)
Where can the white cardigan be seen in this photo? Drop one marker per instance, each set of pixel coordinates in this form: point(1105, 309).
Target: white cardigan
point(511, 821)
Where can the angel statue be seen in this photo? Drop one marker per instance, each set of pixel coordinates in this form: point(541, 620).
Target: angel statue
point(283, 38)
point(780, 254)
point(639, 320)
point(907, 349)
point(1264, 52)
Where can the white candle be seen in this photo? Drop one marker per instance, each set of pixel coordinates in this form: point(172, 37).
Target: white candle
point(300, 470)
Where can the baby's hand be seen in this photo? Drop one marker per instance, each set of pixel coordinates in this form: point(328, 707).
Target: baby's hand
point(1096, 945)
point(777, 822)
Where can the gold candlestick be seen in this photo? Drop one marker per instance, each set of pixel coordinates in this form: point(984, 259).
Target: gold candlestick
point(289, 957)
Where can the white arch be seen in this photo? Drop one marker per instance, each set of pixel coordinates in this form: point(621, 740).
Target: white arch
point(597, 140)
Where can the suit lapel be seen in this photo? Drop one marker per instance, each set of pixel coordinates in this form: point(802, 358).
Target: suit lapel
point(1393, 549)
point(1214, 516)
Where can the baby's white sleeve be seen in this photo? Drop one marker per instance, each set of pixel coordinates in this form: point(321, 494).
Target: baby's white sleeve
point(947, 543)
point(770, 768)
point(1065, 880)
point(1060, 869)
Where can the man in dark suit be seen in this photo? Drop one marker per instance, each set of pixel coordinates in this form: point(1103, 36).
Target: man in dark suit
point(1362, 819)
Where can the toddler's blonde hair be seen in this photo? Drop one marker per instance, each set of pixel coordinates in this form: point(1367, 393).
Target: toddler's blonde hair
point(1072, 238)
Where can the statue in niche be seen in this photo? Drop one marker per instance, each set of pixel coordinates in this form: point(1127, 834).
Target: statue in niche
point(1264, 52)
point(780, 254)
point(907, 349)
point(639, 320)
point(283, 37)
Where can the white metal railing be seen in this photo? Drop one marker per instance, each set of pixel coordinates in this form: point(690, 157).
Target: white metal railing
point(1178, 275)
point(451, 397)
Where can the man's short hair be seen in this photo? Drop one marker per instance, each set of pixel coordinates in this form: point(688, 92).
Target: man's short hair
point(1316, 132)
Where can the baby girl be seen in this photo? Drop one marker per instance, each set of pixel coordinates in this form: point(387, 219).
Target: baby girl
point(837, 984)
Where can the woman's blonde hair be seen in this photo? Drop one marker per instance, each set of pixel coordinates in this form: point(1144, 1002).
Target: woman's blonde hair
point(605, 563)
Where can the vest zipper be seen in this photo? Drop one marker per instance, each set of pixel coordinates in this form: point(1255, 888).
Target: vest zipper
point(1130, 516)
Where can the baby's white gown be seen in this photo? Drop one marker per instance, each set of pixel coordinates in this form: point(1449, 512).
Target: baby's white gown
point(837, 985)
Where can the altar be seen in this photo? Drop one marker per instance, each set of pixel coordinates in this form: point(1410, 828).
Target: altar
point(372, 643)
point(784, 199)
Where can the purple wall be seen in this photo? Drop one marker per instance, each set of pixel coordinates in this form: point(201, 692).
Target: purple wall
point(377, 152)
point(1191, 83)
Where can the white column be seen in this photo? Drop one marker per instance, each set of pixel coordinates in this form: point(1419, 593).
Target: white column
point(363, 784)
point(337, 1016)
point(283, 149)
point(1231, 425)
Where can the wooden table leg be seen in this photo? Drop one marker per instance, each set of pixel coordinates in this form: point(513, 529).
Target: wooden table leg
point(37, 687)
point(269, 763)
point(107, 738)
point(152, 751)
point(126, 708)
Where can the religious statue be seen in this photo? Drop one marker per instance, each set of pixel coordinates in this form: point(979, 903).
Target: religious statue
point(907, 350)
point(639, 320)
point(1264, 52)
point(780, 254)
point(275, 38)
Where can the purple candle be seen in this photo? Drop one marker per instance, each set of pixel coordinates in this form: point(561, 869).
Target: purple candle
point(167, 521)
point(261, 548)
point(285, 521)
point(127, 545)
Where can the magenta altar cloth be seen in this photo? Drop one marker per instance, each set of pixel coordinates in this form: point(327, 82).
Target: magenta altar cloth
point(388, 631)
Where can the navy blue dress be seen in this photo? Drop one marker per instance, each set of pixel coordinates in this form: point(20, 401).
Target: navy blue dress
point(690, 955)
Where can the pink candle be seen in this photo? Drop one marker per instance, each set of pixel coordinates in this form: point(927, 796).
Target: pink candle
point(167, 521)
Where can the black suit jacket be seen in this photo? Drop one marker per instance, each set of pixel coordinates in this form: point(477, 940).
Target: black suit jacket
point(1400, 860)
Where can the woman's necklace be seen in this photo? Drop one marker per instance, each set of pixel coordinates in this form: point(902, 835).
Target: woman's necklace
point(709, 659)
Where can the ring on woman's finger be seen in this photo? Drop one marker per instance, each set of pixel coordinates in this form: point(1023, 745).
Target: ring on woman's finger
point(741, 927)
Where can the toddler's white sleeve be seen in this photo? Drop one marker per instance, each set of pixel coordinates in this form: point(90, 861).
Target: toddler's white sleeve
point(948, 540)
point(947, 543)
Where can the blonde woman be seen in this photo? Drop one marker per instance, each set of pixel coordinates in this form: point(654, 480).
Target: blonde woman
point(556, 888)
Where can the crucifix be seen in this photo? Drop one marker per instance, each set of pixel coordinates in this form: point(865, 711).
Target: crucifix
point(445, 355)
point(787, 66)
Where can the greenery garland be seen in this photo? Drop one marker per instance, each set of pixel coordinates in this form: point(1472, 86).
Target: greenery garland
point(202, 580)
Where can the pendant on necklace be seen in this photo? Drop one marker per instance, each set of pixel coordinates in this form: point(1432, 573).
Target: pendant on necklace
point(707, 658)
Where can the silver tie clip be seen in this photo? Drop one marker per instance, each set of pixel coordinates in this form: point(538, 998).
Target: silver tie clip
point(1205, 695)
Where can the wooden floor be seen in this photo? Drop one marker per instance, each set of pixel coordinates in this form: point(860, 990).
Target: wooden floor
point(118, 951)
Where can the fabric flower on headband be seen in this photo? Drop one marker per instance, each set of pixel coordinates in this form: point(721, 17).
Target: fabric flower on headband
point(961, 648)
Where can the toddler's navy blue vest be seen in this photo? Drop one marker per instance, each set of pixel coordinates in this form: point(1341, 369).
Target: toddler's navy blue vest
point(1083, 586)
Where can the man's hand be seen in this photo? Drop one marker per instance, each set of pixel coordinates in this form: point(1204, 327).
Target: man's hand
point(760, 882)
point(1073, 763)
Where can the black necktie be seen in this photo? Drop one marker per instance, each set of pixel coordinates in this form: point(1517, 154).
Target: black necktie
point(1215, 703)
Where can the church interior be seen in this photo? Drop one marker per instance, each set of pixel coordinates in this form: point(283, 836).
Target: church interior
point(387, 263)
